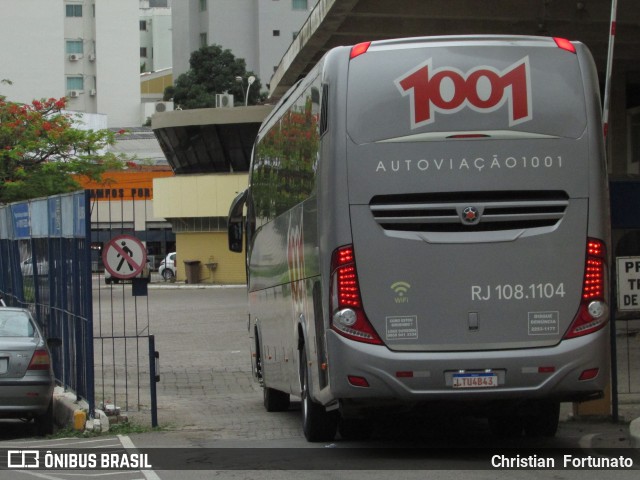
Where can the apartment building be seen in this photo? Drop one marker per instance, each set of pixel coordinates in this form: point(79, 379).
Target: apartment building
point(155, 35)
point(86, 50)
point(260, 31)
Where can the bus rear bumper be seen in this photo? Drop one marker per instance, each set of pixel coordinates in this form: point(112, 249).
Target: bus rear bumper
point(549, 373)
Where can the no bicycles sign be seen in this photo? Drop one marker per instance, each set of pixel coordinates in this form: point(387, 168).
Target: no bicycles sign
point(124, 256)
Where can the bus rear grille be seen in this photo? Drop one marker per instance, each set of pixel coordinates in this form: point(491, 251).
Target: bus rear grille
point(464, 212)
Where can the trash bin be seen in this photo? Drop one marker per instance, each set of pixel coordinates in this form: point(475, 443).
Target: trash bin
point(192, 268)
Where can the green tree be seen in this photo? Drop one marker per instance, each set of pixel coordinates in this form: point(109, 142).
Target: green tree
point(41, 150)
point(213, 71)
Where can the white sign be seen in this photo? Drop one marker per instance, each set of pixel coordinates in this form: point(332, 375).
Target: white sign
point(628, 283)
point(124, 256)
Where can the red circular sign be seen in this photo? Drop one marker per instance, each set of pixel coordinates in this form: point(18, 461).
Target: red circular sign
point(124, 256)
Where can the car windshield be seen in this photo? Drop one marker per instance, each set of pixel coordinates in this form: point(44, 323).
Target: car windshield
point(15, 324)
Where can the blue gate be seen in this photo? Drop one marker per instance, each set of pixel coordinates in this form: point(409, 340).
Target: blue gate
point(45, 266)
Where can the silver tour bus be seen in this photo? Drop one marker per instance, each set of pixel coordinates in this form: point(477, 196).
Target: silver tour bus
point(427, 225)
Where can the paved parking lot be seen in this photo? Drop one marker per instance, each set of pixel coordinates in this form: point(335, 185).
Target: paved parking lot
point(206, 384)
point(205, 372)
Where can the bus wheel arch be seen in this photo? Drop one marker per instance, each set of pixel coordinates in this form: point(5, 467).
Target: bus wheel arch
point(273, 400)
point(318, 424)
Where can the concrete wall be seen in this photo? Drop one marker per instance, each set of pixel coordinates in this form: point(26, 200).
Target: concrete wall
point(186, 196)
point(118, 61)
point(32, 35)
point(243, 26)
point(35, 59)
point(157, 38)
point(209, 248)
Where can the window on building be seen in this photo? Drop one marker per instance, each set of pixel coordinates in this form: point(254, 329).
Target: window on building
point(203, 40)
point(74, 10)
point(143, 25)
point(74, 46)
point(75, 82)
point(299, 4)
point(276, 33)
point(143, 52)
point(203, 5)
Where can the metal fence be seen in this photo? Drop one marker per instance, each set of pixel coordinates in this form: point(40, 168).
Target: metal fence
point(50, 264)
point(45, 266)
point(125, 356)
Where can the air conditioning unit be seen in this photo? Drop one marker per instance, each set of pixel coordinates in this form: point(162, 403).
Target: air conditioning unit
point(74, 93)
point(224, 100)
point(92, 92)
point(92, 57)
point(74, 57)
point(161, 107)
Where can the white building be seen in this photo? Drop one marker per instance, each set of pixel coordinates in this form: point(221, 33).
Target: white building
point(87, 50)
point(260, 31)
point(155, 35)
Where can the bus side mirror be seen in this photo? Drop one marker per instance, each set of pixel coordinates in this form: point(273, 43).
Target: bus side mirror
point(235, 222)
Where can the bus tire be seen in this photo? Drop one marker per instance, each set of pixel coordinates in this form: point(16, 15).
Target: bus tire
point(544, 422)
point(355, 429)
point(506, 426)
point(318, 425)
point(275, 400)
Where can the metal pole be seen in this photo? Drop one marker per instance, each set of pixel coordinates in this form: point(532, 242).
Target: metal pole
point(250, 81)
point(607, 87)
point(614, 352)
point(605, 126)
point(153, 378)
point(88, 307)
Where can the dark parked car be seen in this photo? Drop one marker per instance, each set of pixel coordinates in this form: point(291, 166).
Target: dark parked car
point(26, 375)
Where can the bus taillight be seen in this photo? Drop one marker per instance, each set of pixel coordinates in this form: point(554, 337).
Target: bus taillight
point(347, 315)
point(592, 314)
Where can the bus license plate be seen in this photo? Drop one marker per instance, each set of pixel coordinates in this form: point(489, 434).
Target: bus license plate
point(4, 365)
point(475, 380)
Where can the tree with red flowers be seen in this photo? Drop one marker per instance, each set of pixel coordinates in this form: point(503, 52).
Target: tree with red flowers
point(41, 150)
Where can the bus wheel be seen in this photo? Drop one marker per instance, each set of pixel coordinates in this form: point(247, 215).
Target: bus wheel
point(318, 425)
point(354, 429)
point(506, 426)
point(544, 421)
point(275, 400)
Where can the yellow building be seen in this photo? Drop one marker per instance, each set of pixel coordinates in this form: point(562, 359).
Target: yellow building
point(209, 150)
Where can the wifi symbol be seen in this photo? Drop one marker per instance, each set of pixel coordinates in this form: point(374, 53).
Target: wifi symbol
point(401, 288)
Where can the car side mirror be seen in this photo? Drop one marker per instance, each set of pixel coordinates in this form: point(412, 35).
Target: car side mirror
point(235, 222)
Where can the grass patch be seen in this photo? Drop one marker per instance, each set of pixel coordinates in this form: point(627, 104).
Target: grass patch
point(126, 428)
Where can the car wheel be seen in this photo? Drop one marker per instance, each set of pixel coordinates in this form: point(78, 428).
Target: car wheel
point(318, 425)
point(44, 422)
point(167, 274)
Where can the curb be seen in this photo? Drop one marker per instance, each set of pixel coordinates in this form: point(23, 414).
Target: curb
point(65, 406)
point(634, 431)
point(193, 285)
point(69, 412)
